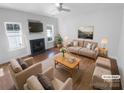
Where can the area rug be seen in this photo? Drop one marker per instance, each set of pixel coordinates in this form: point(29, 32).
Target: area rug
point(81, 79)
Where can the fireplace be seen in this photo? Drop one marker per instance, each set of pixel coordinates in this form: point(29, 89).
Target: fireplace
point(37, 46)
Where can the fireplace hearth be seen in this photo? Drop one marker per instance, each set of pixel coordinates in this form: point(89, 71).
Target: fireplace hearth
point(37, 46)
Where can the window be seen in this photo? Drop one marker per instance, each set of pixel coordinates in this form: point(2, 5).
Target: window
point(50, 33)
point(14, 34)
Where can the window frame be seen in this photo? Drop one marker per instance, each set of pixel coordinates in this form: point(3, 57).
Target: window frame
point(52, 26)
point(12, 34)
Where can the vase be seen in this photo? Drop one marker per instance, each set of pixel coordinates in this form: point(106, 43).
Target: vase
point(63, 54)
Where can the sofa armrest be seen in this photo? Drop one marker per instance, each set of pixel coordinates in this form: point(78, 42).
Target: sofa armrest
point(29, 60)
point(97, 51)
point(49, 73)
point(67, 44)
point(67, 85)
point(26, 86)
point(22, 76)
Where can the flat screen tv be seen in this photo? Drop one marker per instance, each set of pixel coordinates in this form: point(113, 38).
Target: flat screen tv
point(35, 27)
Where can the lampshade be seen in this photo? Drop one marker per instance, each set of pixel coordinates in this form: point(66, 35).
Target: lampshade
point(65, 38)
point(104, 41)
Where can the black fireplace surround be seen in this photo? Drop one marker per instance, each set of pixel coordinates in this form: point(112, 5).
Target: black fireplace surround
point(37, 46)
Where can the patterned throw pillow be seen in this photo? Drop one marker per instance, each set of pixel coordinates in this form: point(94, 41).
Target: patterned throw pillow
point(93, 47)
point(89, 45)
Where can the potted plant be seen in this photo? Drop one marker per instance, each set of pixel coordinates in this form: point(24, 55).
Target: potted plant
point(58, 41)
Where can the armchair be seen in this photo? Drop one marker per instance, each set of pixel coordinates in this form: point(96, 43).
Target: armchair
point(21, 77)
point(58, 85)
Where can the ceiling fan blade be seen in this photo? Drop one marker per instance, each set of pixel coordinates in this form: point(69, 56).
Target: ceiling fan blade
point(59, 4)
point(64, 9)
point(60, 8)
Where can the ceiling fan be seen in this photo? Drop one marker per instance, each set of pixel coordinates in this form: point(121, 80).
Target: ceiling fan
point(60, 7)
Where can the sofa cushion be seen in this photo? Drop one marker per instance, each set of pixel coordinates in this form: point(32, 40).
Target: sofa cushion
point(26, 87)
point(45, 81)
point(74, 49)
point(98, 81)
point(15, 65)
point(87, 52)
point(34, 84)
point(23, 64)
point(103, 62)
point(57, 83)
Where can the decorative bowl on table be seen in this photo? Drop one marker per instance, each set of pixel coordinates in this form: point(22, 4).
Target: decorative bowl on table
point(71, 59)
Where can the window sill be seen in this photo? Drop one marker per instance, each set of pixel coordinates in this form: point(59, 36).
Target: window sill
point(50, 41)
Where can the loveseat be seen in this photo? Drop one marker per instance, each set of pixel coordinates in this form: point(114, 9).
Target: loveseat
point(106, 75)
point(102, 67)
point(88, 48)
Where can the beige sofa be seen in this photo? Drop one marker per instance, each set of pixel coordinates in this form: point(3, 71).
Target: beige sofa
point(21, 77)
point(58, 84)
point(81, 48)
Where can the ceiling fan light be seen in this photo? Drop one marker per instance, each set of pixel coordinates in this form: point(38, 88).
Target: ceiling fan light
point(57, 4)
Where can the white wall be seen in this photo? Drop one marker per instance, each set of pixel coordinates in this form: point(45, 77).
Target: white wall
point(107, 23)
point(121, 53)
point(7, 15)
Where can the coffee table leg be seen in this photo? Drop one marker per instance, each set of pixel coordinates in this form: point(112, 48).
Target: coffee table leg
point(55, 64)
point(72, 70)
point(78, 66)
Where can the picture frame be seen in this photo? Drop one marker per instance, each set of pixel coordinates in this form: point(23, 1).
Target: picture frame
point(86, 32)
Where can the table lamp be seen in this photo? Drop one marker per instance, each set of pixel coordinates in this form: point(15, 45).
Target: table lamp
point(65, 38)
point(104, 42)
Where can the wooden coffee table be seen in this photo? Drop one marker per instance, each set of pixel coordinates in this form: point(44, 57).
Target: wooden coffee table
point(59, 59)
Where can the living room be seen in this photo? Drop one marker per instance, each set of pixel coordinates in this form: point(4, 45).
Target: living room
point(106, 21)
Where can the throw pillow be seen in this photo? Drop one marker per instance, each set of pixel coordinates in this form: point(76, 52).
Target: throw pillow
point(89, 45)
point(23, 64)
point(93, 46)
point(15, 65)
point(34, 84)
point(45, 81)
point(75, 43)
point(81, 43)
point(70, 43)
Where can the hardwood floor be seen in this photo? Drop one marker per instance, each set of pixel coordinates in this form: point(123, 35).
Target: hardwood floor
point(83, 81)
point(49, 53)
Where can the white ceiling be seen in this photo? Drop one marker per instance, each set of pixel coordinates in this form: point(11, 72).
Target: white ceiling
point(49, 9)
